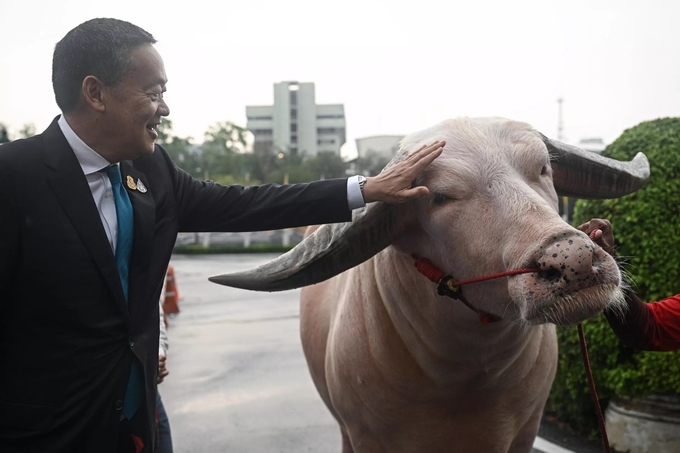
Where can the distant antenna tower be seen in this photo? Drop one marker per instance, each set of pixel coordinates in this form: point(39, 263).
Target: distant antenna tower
point(559, 118)
point(564, 208)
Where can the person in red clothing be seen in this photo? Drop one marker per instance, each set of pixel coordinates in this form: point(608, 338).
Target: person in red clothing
point(651, 327)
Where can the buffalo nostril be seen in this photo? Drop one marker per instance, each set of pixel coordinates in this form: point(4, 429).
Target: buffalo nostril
point(549, 274)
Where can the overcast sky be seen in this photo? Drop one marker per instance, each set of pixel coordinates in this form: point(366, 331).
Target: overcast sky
point(397, 66)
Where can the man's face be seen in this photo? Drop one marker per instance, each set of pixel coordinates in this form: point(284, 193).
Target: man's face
point(135, 105)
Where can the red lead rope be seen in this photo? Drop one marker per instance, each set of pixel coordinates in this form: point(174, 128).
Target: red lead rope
point(593, 391)
point(591, 381)
point(430, 271)
point(446, 286)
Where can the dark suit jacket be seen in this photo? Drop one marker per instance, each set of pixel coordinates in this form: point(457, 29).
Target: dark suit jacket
point(67, 337)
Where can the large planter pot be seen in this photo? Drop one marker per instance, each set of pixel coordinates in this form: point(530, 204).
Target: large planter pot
point(646, 425)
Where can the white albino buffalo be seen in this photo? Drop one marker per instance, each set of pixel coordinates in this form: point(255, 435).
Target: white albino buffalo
point(404, 369)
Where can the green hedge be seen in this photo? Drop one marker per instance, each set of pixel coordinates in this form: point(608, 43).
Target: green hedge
point(647, 231)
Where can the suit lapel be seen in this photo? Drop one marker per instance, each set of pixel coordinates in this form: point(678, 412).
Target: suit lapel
point(144, 209)
point(71, 188)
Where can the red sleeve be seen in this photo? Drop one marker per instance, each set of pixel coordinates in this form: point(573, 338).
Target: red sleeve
point(664, 321)
point(650, 327)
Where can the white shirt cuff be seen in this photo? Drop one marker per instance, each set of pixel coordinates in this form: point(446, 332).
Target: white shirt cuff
point(355, 199)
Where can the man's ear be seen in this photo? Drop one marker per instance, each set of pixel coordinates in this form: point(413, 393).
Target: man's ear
point(92, 90)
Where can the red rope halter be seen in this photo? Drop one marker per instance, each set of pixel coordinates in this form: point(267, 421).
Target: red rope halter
point(446, 286)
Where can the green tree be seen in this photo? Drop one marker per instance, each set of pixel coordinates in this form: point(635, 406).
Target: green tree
point(646, 225)
point(265, 161)
point(180, 149)
point(327, 165)
point(164, 131)
point(372, 163)
point(223, 149)
point(290, 167)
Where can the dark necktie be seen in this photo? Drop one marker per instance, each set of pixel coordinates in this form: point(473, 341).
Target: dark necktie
point(134, 393)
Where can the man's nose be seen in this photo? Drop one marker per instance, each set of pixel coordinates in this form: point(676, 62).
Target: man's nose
point(163, 109)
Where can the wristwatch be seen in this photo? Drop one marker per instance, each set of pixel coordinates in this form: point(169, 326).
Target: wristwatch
point(362, 181)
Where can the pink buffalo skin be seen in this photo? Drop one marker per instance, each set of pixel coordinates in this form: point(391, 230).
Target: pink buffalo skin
point(405, 370)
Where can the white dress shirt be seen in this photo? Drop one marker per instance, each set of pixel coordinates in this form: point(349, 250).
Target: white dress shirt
point(100, 185)
point(163, 343)
point(355, 199)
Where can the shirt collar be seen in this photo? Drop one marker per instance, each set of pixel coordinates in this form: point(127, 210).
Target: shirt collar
point(90, 161)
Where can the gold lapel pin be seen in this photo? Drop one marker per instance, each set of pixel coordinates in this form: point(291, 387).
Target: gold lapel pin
point(131, 183)
point(140, 186)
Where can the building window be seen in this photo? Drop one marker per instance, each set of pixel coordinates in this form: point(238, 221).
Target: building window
point(293, 127)
point(254, 118)
point(293, 114)
point(293, 98)
point(293, 139)
point(326, 130)
point(328, 117)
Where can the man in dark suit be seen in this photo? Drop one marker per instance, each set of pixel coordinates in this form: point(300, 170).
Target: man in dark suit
point(89, 213)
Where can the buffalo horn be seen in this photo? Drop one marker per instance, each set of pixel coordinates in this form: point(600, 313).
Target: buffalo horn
point(329, 251)
point(584, 174)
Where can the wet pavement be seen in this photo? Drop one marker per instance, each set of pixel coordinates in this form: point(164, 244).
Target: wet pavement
point(238, 379)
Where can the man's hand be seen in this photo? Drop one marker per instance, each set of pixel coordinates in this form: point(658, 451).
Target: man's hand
point(394, 184)
point(162, 371)
point(604, 237)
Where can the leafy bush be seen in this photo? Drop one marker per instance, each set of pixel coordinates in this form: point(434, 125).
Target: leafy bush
point(647, 232)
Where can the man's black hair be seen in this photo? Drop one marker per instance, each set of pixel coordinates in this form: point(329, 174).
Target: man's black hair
point(99, 47)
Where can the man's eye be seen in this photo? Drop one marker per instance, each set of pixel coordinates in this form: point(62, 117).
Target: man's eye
point(156, 96)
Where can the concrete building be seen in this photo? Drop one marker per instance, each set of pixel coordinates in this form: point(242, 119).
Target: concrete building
point(595, 144)
point(295, 121)
point(386, 146)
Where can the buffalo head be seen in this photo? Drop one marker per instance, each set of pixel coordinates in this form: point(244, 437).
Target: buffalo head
point(492, 207)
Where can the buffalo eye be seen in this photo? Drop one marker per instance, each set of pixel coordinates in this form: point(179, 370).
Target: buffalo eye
point(439, 198)
point(544, 170)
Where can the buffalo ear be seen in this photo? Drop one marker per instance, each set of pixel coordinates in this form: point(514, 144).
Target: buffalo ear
point(584, 174)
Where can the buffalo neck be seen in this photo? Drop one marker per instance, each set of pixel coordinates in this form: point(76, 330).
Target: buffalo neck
point(443, 337)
